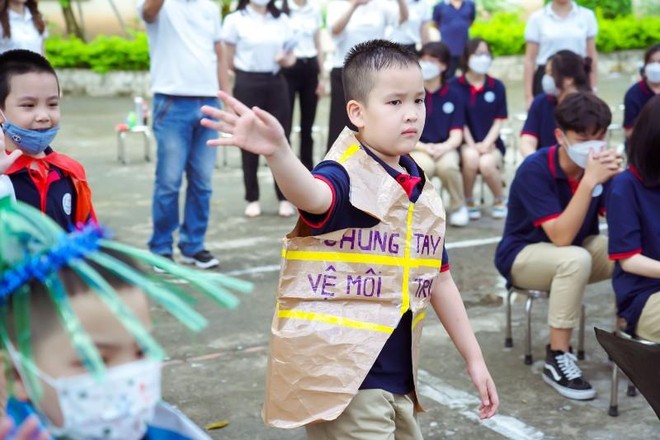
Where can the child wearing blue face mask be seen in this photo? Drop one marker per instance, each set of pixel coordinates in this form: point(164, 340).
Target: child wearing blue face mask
point(551, 239)
point(30, 114)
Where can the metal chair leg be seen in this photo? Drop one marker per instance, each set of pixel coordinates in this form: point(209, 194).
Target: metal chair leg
point(614, 393)
point(528, 336)
point(580, 353)
point(631, 391)
point(508, 341)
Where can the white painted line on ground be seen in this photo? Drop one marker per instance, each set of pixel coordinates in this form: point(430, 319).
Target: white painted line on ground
point(467, 405)
point(452, 245)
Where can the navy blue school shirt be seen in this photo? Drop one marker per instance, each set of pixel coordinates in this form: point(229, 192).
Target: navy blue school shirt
point(540, 121)
point(445, 111)
point(454, 24)
point(540, 191)
point(482, 106)
point(392, 370)
point(633, 210)
point(636, 97)
point(60, 194)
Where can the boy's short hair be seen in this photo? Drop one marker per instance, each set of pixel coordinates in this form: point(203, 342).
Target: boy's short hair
point(366, 59)
point(440, 52)
point(644, 143)
point(583, 113)
point(19, 62)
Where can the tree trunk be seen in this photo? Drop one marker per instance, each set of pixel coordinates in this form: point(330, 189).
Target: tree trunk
point(72, 26)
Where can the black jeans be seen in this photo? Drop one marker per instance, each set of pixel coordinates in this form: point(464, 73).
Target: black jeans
point(271, 93)
point(338, 116)
point(303, 79)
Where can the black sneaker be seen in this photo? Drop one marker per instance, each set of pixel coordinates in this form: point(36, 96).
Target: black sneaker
point(169, 257)
point(562, 373)
point(202, 259)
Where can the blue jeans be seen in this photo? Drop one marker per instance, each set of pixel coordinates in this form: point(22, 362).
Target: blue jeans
point(181, 147)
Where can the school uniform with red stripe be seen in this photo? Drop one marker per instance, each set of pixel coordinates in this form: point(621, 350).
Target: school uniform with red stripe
point(633, 207)
point(56, 185)
point(540, 191)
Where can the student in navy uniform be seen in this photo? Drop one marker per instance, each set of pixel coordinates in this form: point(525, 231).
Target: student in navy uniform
point(306, 77)
point(565, 72)
point(641, 92)
point(485, 110)
point(633, 208)
point(258, 40)
point(30, 115)
point(551, 238)
point(437, 149)
point(453, 19)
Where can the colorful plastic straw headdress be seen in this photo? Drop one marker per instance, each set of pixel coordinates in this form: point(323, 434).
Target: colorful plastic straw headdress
point(34, 247)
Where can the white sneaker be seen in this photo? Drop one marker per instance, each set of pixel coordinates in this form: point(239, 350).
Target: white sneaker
point(474, 212)
point(286, 209)
point(253, 209)
point(460, 217)
point(499, 210)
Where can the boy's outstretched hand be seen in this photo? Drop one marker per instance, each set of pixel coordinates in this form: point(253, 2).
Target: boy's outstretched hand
point(251, 129)
point(487, 393)
point(7, 159)
point(29, 430)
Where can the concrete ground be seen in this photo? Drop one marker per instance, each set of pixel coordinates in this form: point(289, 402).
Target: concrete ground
point(219, 373)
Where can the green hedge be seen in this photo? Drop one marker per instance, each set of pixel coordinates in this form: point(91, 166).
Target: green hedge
point(103, 54)
point(505, 33)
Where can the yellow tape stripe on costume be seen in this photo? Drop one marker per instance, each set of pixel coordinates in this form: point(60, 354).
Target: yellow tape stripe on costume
point(405, 287)
point(350, 257)
point(419, 318)
point(334, 320)
point(351, 150)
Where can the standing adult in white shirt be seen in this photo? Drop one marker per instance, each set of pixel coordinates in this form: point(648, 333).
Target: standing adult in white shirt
point(259, 42)
point(22, 25)
point(560, 25)
point(414, 31)
point(187, 68)
point(305, 78)
point(352, 22)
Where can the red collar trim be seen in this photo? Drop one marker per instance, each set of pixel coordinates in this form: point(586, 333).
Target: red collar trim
point(645, 88)
point(552, 165)
point(635, 172)
point(407, 182)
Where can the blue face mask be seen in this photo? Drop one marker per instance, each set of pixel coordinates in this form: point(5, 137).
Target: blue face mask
point(31, 142)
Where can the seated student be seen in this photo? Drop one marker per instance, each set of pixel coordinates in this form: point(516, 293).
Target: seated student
point(437, 149)
point(75, 326)
point(634, 228)
point(565, 72)
point(367, 187)
point(641, 92)
point(485, 109)
point(30, 116)
point(551, 239)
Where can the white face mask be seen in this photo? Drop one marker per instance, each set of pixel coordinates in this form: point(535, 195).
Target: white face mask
point(430, 70)
point(259, 2)
point(579, 154)
point(117, 407)
point(549, 85)
point(652, 72)
point(480, 63)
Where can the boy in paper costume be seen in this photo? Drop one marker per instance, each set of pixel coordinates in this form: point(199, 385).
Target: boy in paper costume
point(363, 262)
point(74, 321)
